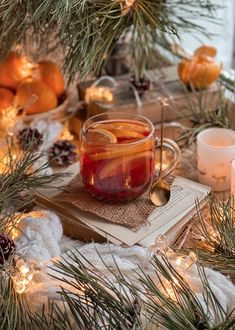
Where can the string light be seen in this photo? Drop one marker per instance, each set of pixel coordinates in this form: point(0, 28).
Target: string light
point(95, 93)
point(27, 66)
point(23, 276)
point(181, 264)
point(8, 120)
point(66, 135)
point(178, 261)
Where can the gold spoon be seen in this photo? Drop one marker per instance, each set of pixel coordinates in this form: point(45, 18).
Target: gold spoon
point(160, 192)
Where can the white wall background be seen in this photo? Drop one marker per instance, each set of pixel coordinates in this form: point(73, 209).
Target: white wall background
point(224, 31)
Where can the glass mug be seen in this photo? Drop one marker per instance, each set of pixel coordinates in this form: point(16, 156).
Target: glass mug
point(118, 156)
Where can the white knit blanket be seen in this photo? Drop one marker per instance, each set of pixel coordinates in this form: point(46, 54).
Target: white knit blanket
point(43, 233)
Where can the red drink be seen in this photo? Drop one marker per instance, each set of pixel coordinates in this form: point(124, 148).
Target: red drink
point(117, 158)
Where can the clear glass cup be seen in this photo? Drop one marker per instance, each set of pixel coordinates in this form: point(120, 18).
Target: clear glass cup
point(118, 156)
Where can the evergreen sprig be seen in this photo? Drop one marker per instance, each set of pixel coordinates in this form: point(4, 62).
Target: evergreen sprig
point(205, 111)
point(14, 311)
point(92, 301)
point(19, 178)
point(216, 236)
point(88, 30)
point(181, 309)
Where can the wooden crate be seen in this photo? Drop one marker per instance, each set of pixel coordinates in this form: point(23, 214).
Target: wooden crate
point(165, 84)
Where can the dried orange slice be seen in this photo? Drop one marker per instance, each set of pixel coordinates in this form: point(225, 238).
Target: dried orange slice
point(101, 135)
point(206, 51)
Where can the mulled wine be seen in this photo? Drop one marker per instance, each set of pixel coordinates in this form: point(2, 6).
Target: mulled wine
point(117, 158)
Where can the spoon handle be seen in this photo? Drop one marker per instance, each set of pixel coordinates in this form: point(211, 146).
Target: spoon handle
point(163, 105)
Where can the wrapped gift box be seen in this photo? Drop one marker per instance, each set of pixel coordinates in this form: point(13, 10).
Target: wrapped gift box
point(166, 84)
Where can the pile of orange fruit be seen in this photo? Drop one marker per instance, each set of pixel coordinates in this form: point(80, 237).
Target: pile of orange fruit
point(201, 70)
point(34, 87)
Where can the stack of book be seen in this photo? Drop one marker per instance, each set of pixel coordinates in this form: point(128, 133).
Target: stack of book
point(169, 220)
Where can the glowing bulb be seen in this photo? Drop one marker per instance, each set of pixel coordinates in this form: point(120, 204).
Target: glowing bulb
point(24, 269)
point(178, 261)
point(102, 94)
point(8, 120)
point(175, 281)
point(66, 135)
point(23, 276)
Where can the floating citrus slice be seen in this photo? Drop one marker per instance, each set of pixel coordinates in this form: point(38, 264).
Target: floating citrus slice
point(126, 134)
point(206, 51)
point(124, 164)
point(101, 135)
point(131, 125)
point(121, 151)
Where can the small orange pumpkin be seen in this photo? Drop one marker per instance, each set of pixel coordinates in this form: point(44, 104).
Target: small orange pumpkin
point(13, 70)
point(201, 70)
point(206, 51)
point(6, 98)
point(45, 97)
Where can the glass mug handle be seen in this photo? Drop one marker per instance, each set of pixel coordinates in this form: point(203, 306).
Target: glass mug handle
point(169, 144)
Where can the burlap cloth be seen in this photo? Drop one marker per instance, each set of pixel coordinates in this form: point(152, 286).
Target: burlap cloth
point(132, 215)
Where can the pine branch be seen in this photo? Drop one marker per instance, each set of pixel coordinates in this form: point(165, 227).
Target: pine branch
point(20, 177)
point(14, 311)
point(92, 301)
point(171, 302)
point(202, 116)
point(216, 236)
point(88, 30)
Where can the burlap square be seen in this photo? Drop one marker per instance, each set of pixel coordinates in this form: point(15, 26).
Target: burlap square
point(132, 215)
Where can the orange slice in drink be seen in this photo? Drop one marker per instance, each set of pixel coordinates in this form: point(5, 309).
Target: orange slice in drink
point(101, 135)
point(131, 125)
point(126, 134)
point(124, 163)
point(122, 151)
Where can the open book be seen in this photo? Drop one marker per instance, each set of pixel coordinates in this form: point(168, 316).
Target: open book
point(168, 220)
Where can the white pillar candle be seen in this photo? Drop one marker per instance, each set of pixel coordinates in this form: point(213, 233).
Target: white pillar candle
point(233, 179)
point(215, 152)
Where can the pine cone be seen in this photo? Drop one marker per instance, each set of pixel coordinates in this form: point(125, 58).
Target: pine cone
point(63, 152)
point(7, 247)
point(30, 138)
point(142, 86)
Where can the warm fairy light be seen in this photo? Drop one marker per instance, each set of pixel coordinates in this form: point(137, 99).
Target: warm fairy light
point(66, 135)
point(102, 94)
point(5, 160)
point(23, 276)
point(8, 120)
point(169, 289)
point(27, 67)
point(178, 261)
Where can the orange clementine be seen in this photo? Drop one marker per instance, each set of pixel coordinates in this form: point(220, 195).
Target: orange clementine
point(51, 75)
point(200, 71)
point(35, 96)
point(6, 98)
point(14, 69)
